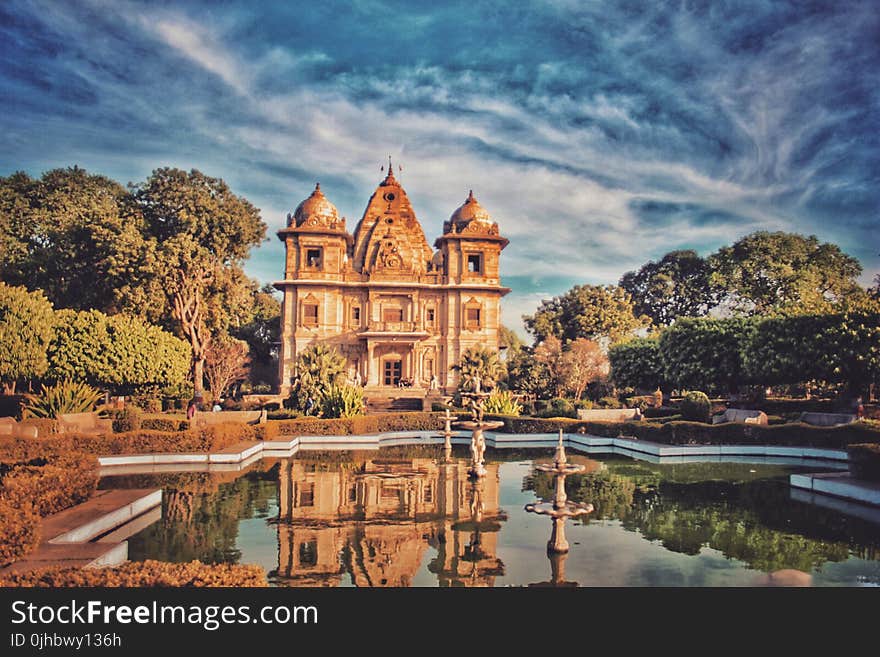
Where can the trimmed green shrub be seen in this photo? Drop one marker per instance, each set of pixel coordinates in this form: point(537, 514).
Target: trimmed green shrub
point(163, 424)
point(696, 407)
point(609, 402)
point(19, 531)
point(706, 354)
point(144, 574)
point(636, 364)
point(127, 419)
point(685, 433)
point(864, 461)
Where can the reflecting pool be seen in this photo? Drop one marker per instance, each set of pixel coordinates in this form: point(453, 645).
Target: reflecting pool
point(407, 516)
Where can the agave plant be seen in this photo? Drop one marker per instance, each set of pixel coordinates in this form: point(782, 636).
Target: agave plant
point(502, 402)
point(343, 401)
point(63, 397)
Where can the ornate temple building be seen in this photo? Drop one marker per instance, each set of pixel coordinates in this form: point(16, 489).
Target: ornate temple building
point(397, 309)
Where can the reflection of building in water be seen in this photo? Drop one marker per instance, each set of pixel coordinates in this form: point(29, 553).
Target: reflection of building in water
point(374, 520)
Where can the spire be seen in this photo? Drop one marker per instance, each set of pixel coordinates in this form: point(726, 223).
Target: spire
point(390, 176)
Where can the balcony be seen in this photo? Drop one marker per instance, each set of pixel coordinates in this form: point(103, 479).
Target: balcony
point(408, 330)
point(391, 327)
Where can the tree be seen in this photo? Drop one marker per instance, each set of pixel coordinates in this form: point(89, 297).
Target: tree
point(637, 364)
point(478, 362)
point(27, 325)
point(783, 272)
point(586, 362)
point(317, 370)
point(706, 354)
point(549, 354)
point(676, 286)
point(120, 352)
point(74, 235)
point(525, 374)
point(262, 333)
point(226, 363)
point(202, 234)
point(586, 311)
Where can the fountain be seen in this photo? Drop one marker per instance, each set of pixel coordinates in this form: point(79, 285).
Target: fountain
point(557, 572)
point(559, 508)
point(476, 401)
point(447, 434)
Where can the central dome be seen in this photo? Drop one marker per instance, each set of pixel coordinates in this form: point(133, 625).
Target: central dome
point(316, 209)
point(470, 211)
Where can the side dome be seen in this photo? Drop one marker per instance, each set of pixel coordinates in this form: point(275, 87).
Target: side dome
point(316, 210)
point(470, 212)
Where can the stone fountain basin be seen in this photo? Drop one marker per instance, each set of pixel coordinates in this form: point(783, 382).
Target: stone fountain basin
point(468, 424)
point(570, 510)
point(567, 469)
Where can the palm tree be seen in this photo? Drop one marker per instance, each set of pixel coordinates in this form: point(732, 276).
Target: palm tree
point(318, 368)
point(478, 362)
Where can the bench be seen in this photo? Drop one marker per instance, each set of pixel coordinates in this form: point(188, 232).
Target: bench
point(84, 423)
point(609, 414)
point(740, 415)
point(827, 419)
point(208, 418)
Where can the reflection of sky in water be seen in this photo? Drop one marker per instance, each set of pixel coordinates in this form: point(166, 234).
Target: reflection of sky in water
point(603, 552)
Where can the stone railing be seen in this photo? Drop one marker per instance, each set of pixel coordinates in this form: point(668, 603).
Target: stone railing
point(392, 327)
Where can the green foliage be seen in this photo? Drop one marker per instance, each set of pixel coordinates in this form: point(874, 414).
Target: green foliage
point(479, 362)
point(318, 368)
point(74, 235)
point(838, 348)
point(864, 461)
point(342, 401)
point(126, 419)
point(676, 286)
point(696, 407)
point(586, 311)
point(26, 327)
point(706, 353)
point(117, 351)
point(61, 398)
point(768, 272)
point(637, 364)
point(527, 374)
point(502, 402)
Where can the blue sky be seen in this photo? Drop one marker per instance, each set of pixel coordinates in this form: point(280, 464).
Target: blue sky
point(598, 134)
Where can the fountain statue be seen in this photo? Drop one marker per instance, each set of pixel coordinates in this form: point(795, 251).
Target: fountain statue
point(559, 508)
point(476, 401)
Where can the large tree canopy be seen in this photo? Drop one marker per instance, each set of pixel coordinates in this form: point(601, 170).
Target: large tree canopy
point(586, 311)
point(784, 272)
point(676, 286)
point(74, 235)
point(202, 234)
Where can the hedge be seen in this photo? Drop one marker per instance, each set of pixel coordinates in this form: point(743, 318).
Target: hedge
point(684, 433)
point(19, 531)
point(864, 461)
point(364, 424)
point(164, 424)
point(38, 482)
point(144, 573)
